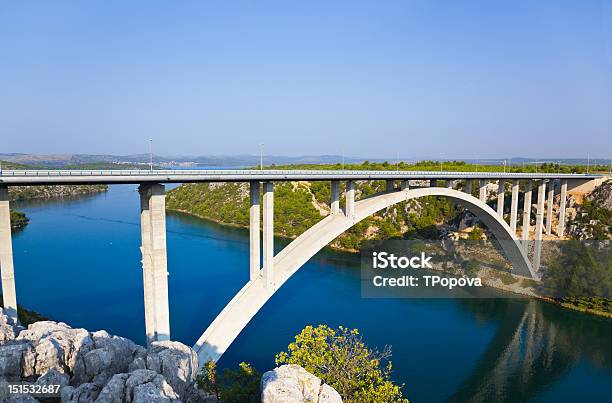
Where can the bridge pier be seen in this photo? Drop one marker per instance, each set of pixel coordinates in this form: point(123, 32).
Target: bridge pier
point(500, 198)
point(268, 234)
point(468, 186)
point(350, 199)
point(482, 190)
point(449, 184)
point(154, 261)
point(254, 231)
point(432, 183)
point(390, 186)
point(7, 270)
point(527, 212)
point(549, 207)
point(405, 185)
point(539, 224)
point(561, 230)
point(335, 197)
point(514, 205)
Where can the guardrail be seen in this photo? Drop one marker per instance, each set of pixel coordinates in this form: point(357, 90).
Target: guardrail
point(119, 172)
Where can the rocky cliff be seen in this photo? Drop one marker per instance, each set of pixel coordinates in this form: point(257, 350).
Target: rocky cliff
point(98, 367)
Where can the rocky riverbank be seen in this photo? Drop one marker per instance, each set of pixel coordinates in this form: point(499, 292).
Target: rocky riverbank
point(99, 367)
point(46, 192)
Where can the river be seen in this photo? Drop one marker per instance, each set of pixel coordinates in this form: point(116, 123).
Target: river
point(78, 261)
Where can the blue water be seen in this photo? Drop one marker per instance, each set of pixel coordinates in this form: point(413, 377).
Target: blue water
point(78, 261)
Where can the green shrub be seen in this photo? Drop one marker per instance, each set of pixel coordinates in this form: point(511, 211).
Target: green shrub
point(506, 278)
point(342, 360)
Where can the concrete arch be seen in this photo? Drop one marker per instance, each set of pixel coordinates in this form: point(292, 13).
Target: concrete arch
point(249, 300)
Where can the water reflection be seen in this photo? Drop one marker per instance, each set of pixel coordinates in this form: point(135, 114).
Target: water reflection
point(534, 346)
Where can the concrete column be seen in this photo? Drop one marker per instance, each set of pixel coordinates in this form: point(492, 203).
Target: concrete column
point(390, 186)
point(432, 183)
point(6, 258)
point(514, 205)
point(405, 185)
point(449, 184)
point(254, 231)
point(268, 234)
point(350, 199)
point(482, 190)
point(539, 224)
point(561, 231)
point(500, 198)
point(468, 186)
point(527, 211)
point(154, 261)
point(335, 197)
point(549, 207)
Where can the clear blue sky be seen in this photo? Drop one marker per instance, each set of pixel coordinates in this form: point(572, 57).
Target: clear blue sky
point(423, 78)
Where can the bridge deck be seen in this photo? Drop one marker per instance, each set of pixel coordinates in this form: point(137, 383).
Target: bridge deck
point(64, 177)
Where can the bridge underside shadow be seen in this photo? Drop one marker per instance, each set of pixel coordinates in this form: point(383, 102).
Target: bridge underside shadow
point(249, 300)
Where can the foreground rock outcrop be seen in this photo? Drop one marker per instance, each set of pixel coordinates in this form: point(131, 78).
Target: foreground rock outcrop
point(102, 368)
point(292, 383)
point(96, 366)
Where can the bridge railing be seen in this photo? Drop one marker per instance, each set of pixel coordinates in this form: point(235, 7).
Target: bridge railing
point(272, 172)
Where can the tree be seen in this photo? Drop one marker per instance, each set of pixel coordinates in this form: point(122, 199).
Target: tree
point(342, 360)
point(580, 269)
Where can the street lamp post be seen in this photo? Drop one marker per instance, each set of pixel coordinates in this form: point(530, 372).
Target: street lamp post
point(261, 145)
point(151, 154)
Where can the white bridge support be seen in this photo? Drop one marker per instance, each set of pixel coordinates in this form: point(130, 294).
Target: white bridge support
point(537, 255)
point(254, 231)
point(335, 197)
point(500, 198)
point(349, 209)
point(468, 186)
point(514, 205)
point(482, 191)
point(549, 207)
point(9, 294)
point(390, 185)
point(561, 230)
point(154, 261)
point(268, 234)
point(527, 212)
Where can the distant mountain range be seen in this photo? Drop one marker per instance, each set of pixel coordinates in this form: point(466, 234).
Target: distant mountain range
point(250, 160)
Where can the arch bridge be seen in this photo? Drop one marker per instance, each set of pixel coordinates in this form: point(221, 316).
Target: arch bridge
point(269, 272)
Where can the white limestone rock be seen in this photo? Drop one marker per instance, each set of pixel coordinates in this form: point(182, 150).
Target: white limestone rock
point(53, 377)
point(7, 330)
point(56, 346)
point(16, 360)
point(110, 355)
point(140, 386)
point(177, 362)
point(292, 383)
point(84, 393)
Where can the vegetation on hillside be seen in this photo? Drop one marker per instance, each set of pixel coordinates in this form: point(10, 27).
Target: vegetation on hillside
point(300, 205)
point(594, 217)
point(18, 220)
point(580, 276)
point(458, 166)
